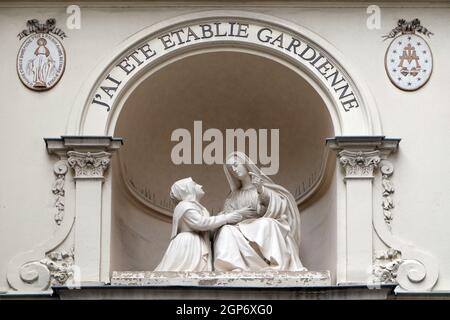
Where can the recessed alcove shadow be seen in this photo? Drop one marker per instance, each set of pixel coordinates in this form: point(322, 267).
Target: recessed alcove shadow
point(224, 90)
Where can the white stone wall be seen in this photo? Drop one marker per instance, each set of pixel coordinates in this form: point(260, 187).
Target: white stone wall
point(419, 118)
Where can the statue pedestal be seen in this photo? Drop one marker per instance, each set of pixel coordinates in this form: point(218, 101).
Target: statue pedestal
point(286, 285)
point(262, 279)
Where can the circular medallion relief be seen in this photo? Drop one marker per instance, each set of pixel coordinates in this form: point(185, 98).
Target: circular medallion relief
point(41, 61)
point(409, 62)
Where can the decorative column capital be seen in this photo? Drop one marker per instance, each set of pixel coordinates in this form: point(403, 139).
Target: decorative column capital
point(89, 165)
point(359, 164)
point(361, 155)
point(88, 156)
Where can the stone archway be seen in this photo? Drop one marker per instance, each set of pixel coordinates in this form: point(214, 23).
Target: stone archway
point(349, 102)
point(350, 106)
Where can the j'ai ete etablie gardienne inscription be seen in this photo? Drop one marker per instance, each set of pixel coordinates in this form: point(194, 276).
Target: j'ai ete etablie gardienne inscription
point(305, 53)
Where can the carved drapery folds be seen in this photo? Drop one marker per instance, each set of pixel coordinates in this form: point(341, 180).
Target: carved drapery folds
point(387, 169)
point(89, 164)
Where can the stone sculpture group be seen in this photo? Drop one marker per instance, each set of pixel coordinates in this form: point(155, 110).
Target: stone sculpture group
point(258, 229)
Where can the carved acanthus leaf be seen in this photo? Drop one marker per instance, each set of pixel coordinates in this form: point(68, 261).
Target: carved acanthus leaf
point(88, 164)
point(60, 265)
point(386, 266)
point(359, 164)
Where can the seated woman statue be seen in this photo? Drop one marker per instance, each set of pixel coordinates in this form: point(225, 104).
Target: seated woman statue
point(270, 238)
point(190, 247)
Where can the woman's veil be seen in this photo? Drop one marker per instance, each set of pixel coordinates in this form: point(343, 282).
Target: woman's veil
point(293, 215)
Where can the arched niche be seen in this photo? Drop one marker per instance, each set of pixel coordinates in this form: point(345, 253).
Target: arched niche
point(97, 114)
point(224, 89)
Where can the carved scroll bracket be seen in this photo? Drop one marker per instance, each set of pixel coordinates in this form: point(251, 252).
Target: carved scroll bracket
point(45, 264)
point(412, 268)
point(403, 263)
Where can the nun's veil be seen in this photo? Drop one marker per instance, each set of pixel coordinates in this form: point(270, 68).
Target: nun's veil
point(181, 189)
point(293, 214)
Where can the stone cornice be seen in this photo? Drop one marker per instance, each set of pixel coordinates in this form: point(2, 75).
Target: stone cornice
point(89, 156)
point(384, 145)
point(60, 146)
